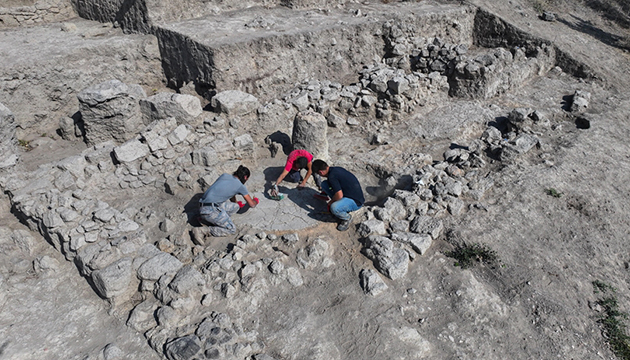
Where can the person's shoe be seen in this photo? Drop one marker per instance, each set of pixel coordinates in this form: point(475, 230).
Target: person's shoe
point(344, 224)
point(199, 235)
point(321, 196)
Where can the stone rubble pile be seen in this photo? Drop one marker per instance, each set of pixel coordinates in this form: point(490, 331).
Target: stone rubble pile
point(39, 11)
point(411, 218)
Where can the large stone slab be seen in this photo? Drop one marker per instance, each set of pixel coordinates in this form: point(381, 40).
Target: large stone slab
point(111, 110)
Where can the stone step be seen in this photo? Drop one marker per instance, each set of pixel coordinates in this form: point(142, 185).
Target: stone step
point(266, 51)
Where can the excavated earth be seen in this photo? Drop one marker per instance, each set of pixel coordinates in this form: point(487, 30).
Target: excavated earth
point(288, 285)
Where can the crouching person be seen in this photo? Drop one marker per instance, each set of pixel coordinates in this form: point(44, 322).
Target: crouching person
point(343, 189)
point(215, 209)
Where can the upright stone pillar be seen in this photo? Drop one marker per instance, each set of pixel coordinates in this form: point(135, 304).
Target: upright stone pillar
point(309, 133)
point(8, 156)
point(111, 110)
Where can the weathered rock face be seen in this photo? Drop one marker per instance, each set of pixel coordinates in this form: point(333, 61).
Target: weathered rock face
point(7, 138)
point(184, 108)
point(234, 103)
point(111, 110)
point(309, 133)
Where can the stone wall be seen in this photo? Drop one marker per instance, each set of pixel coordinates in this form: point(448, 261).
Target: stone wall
point(31, 12)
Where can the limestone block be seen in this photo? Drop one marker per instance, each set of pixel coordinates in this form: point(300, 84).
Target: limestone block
point(395, 208)
point(206, 156)
point(110, 110)
point(372, 226)
point(184, 108)
point(67, 215)
point(420, 243)
point(130, 151)
point(234, 103)
point(155, 142)
point(276, 267)
point(178, 135)
point(520, 145)
point(290, 239)
point(158, 265)
point(187, 278)
point(400, 225)
point(580, 101)
point(114, 279)
point(427, 225)
point(45, 264)
point(301, 102)
point(398, 85)
point(141, 318)
point(52, 220)
point(391, 261)
point(244, 145)
point(183, 348)
point(371, 282)
point(408, 198)
point(309, 133)
point(74, 164)
point(312, 256)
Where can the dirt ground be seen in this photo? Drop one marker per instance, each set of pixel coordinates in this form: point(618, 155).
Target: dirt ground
point(538, 302)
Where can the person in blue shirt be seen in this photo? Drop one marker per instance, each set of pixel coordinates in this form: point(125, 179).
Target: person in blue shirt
point(215, 209)
point(343, 189)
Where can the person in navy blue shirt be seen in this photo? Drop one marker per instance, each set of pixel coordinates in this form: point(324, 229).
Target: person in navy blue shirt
point(343, 189)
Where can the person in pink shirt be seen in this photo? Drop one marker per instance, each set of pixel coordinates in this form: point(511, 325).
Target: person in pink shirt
point(298, 159)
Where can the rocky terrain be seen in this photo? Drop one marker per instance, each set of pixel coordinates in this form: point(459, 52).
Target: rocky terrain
point(489, 139)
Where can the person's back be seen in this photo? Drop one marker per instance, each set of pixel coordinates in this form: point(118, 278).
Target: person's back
point(223, 189)
point(342, 179)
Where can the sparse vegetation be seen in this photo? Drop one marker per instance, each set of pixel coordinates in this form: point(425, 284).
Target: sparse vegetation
point(612, 320)
point(468, 255)
point(25, 144)
point(553, 192)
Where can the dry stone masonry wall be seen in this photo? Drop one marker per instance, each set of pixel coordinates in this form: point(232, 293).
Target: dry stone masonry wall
point(17, 13)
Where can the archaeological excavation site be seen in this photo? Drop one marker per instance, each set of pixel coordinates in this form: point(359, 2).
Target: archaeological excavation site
point(489, 139)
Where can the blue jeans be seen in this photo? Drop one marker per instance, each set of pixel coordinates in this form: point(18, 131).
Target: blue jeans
point(218, 216)
point(340, 208)
point(294, 176)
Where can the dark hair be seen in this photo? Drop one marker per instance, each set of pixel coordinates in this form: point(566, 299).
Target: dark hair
point(242, 173)
point(301, 162)
point(319, 165)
